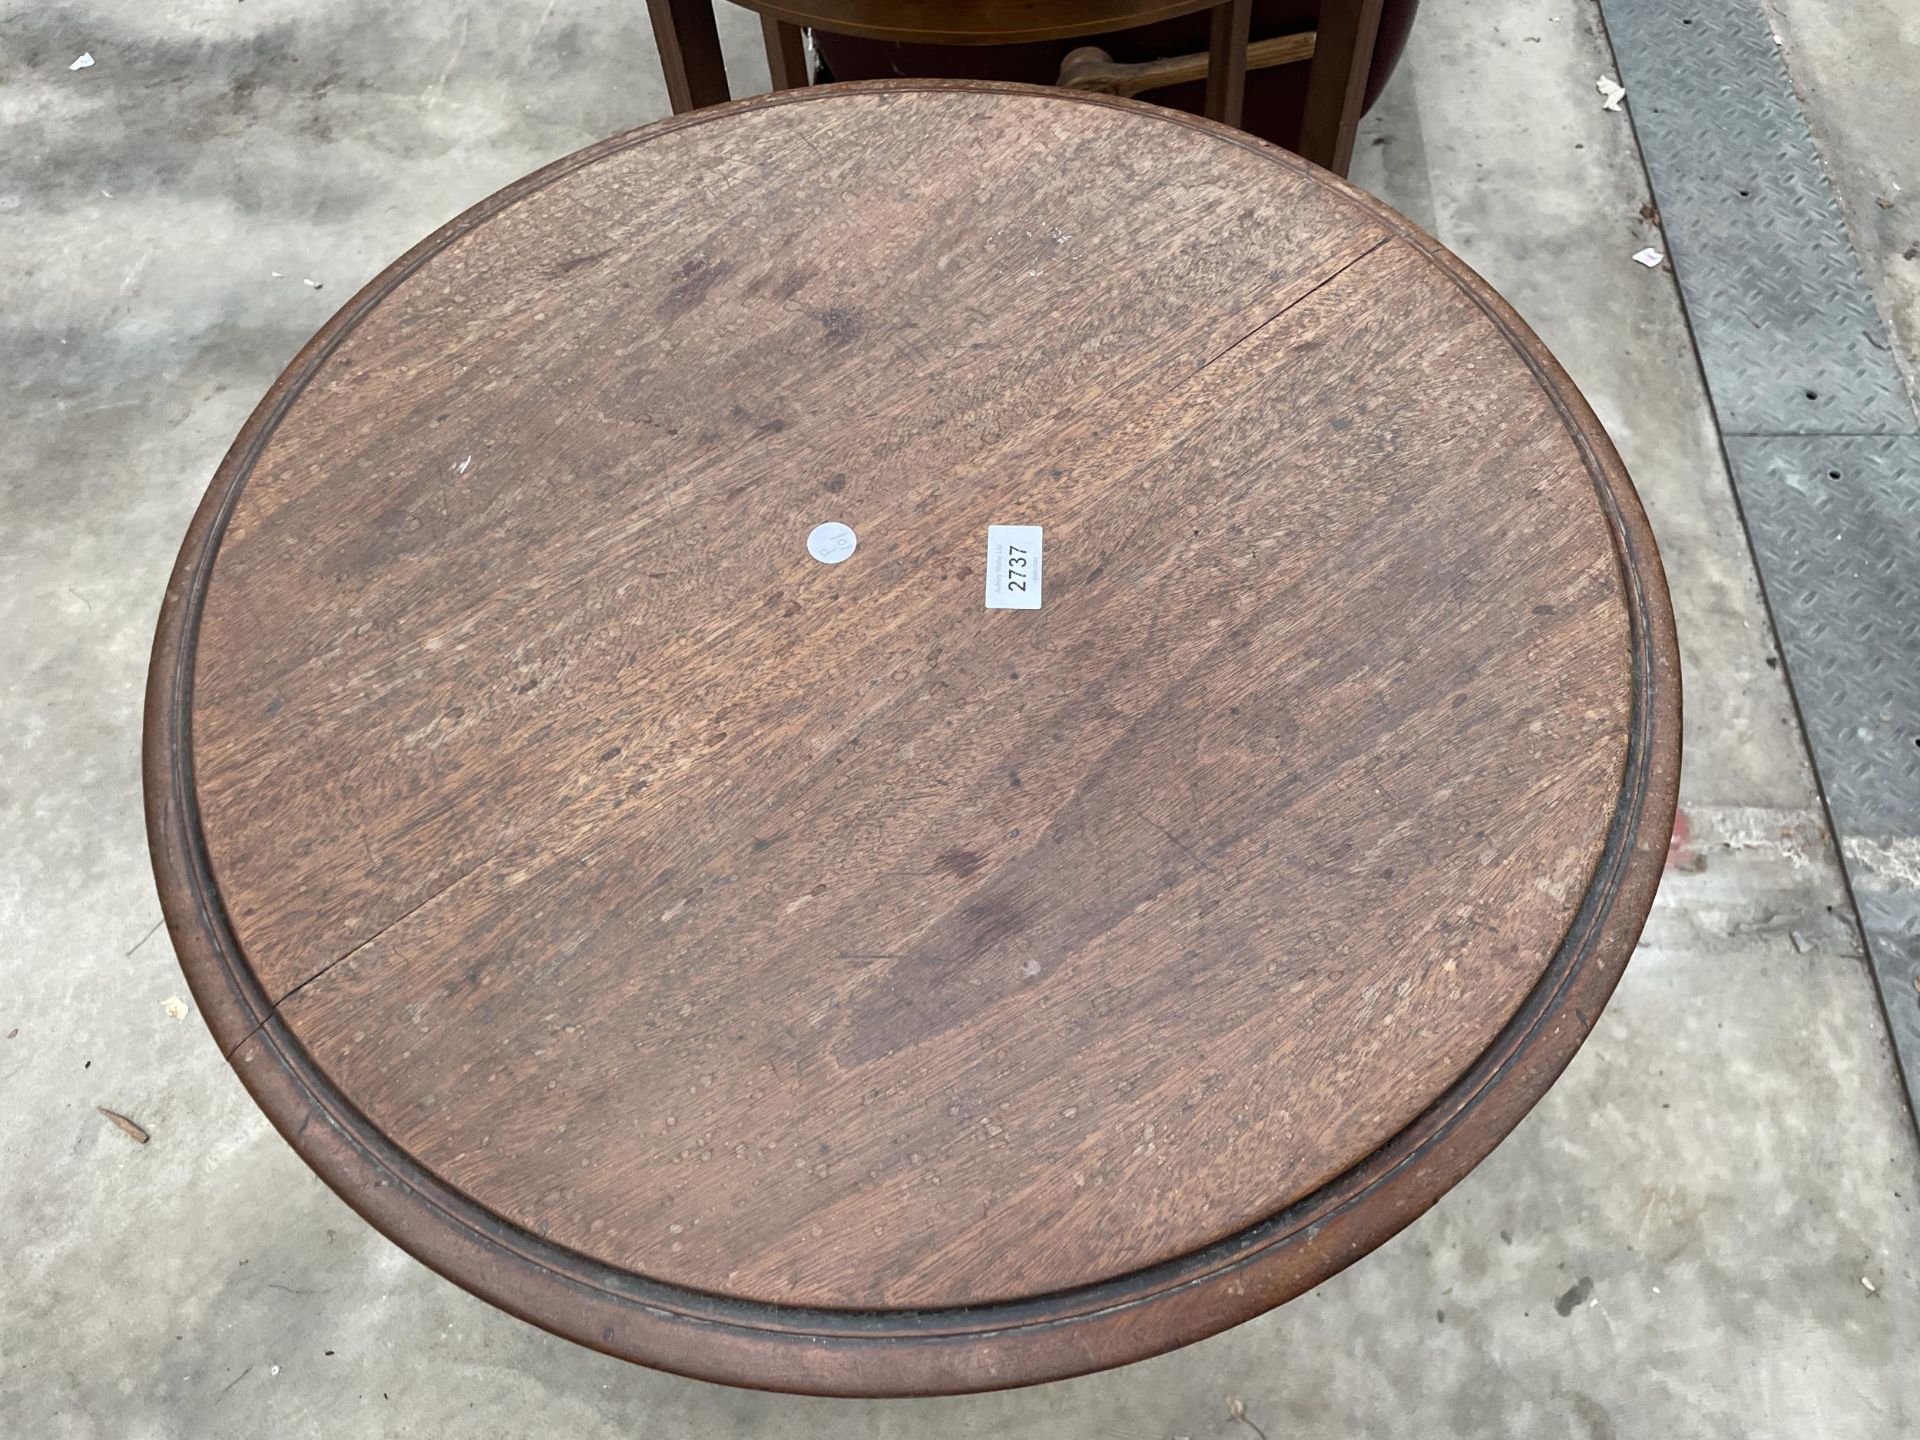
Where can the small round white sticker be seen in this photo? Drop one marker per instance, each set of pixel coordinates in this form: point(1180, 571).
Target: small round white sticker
point(831, 543)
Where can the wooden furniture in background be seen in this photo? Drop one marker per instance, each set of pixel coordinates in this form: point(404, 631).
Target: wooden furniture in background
point(1312, 109)
point(1336, 87)
point(1092, 69)
point(800, 974)
point(1336, 90)
point(690, 49)
point(690, 44)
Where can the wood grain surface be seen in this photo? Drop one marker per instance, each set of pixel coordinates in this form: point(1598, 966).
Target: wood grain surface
point(802, 974)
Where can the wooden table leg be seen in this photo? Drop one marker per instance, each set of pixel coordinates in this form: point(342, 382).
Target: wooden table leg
point(786, 53)
point(1227, 60)
point(689, 41)
point(1337, 84)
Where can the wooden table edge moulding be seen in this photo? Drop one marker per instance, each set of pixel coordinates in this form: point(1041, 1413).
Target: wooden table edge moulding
point(880, 1351)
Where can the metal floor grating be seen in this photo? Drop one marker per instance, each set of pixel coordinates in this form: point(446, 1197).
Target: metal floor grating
point(1820, 436)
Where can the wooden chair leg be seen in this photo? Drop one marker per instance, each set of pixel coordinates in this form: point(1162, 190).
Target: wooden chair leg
point(689, 41)
point(786, 53)
point(1337, 84)
point(1227, 60)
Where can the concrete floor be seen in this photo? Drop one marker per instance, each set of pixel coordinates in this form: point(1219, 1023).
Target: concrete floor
point(1707, 1229)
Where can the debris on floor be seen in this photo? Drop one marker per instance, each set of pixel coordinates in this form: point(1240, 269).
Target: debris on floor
point(175, 1007)
point(1579, 1294)
point(1612, 92)
point(1649, 257)
point(84, 62)
point(1237, 1408)
point(136, 1131)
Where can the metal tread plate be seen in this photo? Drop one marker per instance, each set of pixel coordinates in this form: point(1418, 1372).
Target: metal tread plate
point(1835, 526)
point(1788, 333)
point(1820, 436)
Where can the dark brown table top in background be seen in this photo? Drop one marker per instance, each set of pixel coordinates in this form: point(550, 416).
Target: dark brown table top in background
point(801, 974)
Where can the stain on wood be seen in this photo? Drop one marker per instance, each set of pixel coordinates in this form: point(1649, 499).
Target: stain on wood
point(799, 974)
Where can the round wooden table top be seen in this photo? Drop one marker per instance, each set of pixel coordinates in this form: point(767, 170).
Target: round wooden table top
point(650, 841)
